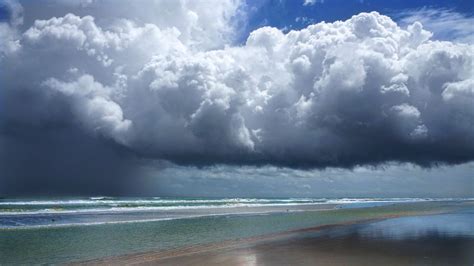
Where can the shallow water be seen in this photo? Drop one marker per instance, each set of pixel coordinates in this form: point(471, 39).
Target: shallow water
point(73, 243)
point(437, 239)
point(99, 210)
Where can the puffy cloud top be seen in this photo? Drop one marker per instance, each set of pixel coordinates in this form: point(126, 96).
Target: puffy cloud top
point(360, 91)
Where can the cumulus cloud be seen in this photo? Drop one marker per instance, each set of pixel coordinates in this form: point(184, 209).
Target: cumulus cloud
point(354, 92)
point(201, 24)
point(91, 103)
point(446, 24)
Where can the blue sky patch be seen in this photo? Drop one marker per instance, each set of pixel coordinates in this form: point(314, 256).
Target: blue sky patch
point(287, 15)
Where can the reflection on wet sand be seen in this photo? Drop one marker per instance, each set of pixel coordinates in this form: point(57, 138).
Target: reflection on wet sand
point(446, 239)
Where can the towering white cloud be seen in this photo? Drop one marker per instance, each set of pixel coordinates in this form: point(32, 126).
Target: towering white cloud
point(169, 85)
point(201, 24)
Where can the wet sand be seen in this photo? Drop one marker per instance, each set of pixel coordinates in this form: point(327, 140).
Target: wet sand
point(369, 242)
point(349, 250)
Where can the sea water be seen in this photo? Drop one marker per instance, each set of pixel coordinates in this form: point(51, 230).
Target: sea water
point(65, 230)
point(98, 210)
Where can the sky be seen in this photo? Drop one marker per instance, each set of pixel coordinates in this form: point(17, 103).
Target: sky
point(235, 98)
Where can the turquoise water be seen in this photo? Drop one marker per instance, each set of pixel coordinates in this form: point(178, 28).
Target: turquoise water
point(57, 244)
point(117, 204)
point(80, 211)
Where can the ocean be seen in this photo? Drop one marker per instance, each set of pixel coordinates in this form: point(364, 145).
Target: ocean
point(77, 229)
point(16, 213)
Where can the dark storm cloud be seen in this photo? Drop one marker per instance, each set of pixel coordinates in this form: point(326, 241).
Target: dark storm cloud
point(100, 92)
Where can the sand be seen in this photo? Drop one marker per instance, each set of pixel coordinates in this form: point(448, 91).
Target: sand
point(340, 244)
point(408, 234)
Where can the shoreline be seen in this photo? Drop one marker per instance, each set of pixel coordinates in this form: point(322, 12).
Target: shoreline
point(201, 249)
point(98, 218)
point(219, 236)
point(167, 215)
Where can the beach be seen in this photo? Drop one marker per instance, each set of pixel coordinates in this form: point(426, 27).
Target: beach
point(237, 132)
point(394, 233)
point(374, 242)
